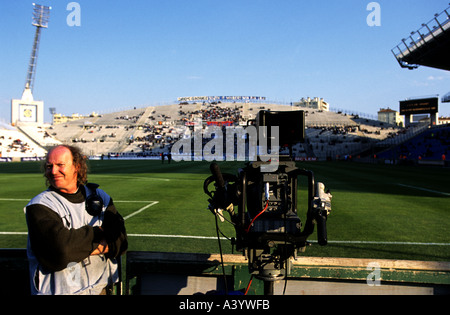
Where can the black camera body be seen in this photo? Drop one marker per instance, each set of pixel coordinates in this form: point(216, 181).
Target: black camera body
point(272, 231)
point(268, 228)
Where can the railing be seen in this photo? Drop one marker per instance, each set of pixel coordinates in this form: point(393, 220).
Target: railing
point(401, 138)
point(428, 32)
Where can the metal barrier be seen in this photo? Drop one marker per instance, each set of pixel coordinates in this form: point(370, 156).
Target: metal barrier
point(156, 273)
point(186, 274)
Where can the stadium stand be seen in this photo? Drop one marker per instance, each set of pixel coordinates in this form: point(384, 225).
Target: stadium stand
point(40, 135)
point(431, 145)
point(151, 131)
point(15, 144)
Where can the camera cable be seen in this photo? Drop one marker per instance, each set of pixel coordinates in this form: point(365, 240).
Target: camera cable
point(248, 285)
point(251, 223)
point(221, 256)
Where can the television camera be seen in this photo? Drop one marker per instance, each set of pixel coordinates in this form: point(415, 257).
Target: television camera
point(268, 229)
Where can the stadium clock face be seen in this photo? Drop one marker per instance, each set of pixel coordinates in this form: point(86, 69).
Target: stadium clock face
point(27, 113)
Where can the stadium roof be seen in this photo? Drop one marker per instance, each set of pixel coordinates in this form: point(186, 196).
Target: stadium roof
point(446, 98)
point(429, 46)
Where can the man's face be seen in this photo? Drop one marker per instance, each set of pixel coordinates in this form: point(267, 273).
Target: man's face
point(60, 171)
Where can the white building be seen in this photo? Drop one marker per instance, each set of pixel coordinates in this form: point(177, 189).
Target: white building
point(390, 116)
point(315, 103)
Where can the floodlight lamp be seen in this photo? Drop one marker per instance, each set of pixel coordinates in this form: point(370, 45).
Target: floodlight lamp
point(41, 15)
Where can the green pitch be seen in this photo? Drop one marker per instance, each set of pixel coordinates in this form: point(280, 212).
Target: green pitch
point(378, 211)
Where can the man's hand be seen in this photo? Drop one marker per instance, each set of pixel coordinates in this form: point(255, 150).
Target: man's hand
point(101, 249)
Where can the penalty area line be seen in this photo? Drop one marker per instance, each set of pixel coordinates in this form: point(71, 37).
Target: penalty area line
point(425, 189)
point(151, 203)
point(140, 210)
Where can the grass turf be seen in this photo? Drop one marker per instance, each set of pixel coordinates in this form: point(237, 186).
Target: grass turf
point(370, 204)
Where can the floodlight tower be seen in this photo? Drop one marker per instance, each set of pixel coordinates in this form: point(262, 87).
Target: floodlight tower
point(27, 110)
point(41, 16)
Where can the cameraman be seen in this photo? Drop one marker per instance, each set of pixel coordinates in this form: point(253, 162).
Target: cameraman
point(75, 233)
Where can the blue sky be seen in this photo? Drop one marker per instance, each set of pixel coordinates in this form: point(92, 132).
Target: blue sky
point(145, 52)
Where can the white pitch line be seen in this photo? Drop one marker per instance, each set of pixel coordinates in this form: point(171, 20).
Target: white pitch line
point(388, 243)
point(13, 233)
point(175, 236)
point(425, 189)
point(135, 201)
point(214, 238)
point(331, 242)
point(140, 210)
point(120, 201)
point(137, 178)
point(151, 203)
